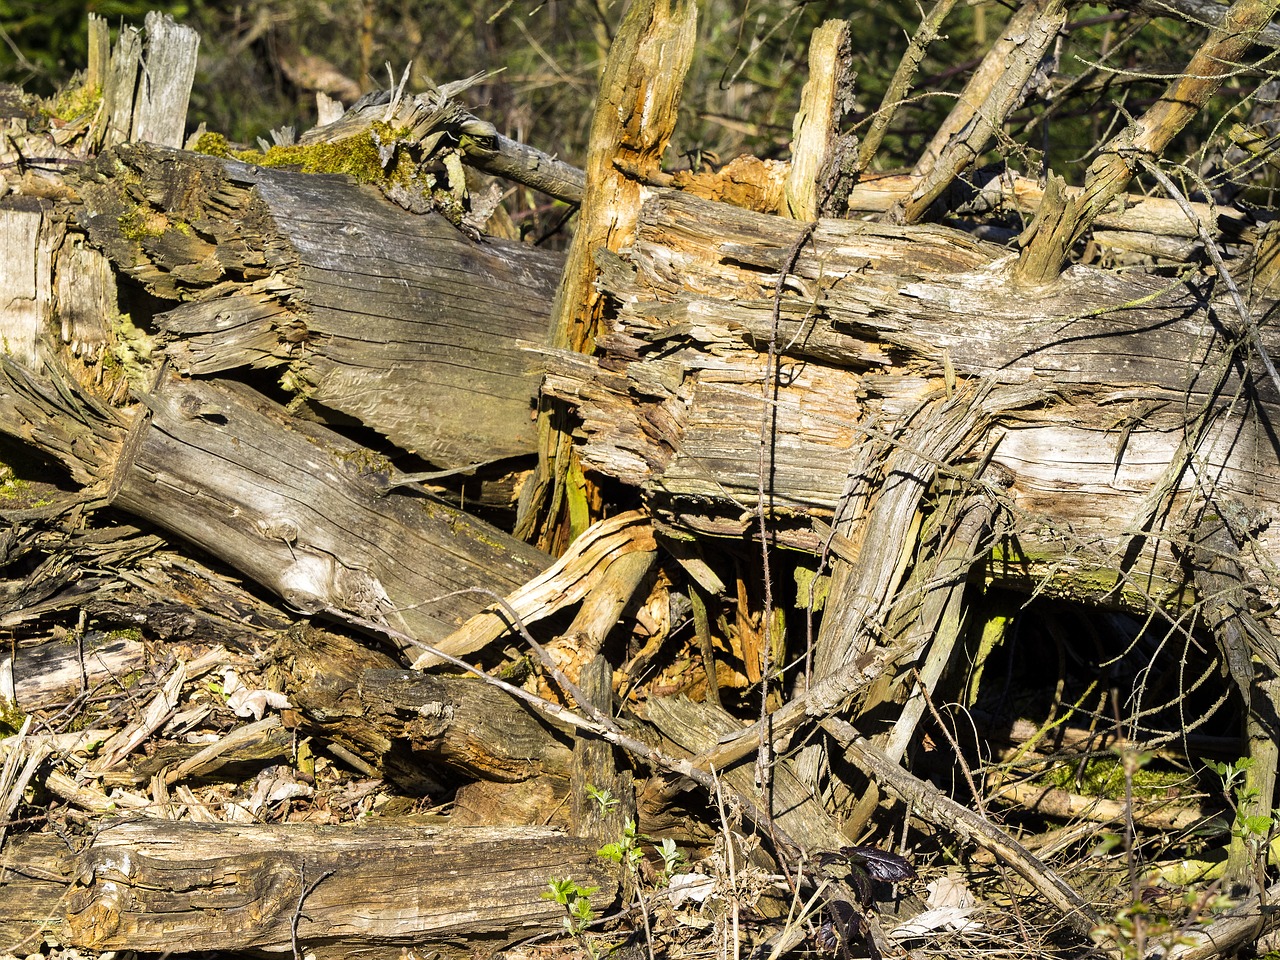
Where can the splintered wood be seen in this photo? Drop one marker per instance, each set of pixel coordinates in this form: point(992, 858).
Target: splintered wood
point(373, 585)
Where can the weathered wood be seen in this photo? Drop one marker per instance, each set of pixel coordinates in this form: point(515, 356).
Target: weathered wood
point(1029, 45)
point(581, 570)
point(28, 238)
point(306, 513)
point(164, 84)
point(397, 718)
point(990, 190)
point(980, 85)
point(35, 871)
point(301, 510)
point(1089, 395)
point(602, 799)
point(697, 728)
point(147, 84)
point(635, 115)
point(351, 891)
point(397, 320)
point(816, 148)
point(38, 677)
point(1059, 225)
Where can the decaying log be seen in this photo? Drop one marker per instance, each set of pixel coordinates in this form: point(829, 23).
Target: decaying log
point(820, 157)
point(333, 891)
point(1101, 403)
point(988, 191)
point(397, 320)
point(602, 799)
point(147, 83)
point(400, 720)
point(634, 118)
point(298, 508)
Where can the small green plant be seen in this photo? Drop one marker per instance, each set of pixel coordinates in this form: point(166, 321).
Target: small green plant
point(1232, 774)
point(1141, 925)
point(672, 858)
point(576, 901)
point(626, 849)
point(605, 798)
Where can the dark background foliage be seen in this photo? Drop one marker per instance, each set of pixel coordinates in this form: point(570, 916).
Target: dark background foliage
point(263, 60)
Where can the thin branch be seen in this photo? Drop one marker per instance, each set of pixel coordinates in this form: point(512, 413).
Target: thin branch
point(307, 890)
point(764, 490)
point(1250, 325)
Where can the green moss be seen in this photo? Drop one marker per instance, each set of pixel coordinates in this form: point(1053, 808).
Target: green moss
point(133, 350)
point(13, 488)
point(357, 157)
point(1104, 777)
point(11, 717)
point(1076, 576)
point(213, 144)
point(140, 224)
point(366, 461)
point(73, 102)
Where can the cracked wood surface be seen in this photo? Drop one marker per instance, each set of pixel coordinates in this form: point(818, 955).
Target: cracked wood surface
point(367, 311)
point(1112, 402)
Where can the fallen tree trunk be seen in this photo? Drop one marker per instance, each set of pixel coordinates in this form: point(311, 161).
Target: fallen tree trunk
point(298, 508)
point(1091, 413)
point(333, 891)
point(374, 314)
point(1110, 407)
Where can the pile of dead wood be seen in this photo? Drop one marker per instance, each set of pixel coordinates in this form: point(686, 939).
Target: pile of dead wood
point(368, 574)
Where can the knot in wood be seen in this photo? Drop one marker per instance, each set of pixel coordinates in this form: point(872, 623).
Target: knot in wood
point(306, 584)
point(280, 528)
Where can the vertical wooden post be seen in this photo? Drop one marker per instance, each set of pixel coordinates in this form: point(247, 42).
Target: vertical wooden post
point(635, 116)
point(815, 141)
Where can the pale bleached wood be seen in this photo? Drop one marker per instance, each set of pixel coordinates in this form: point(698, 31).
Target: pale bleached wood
point(28, 237)
point(160, 116)
point(1092, 386)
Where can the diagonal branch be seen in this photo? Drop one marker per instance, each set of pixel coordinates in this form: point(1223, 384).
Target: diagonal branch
point(1060, 222)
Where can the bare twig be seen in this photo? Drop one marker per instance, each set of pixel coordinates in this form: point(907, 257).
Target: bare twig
point(306, 891)
point(765, 490)
point(1250, 326)
point(951, 740)
point(895, 94)
point(929, 802)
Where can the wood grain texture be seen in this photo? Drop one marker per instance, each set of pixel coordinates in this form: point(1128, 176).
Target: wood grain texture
point(1113, 402)
point(307, 513)
point(359, 890)
point(396, 320)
